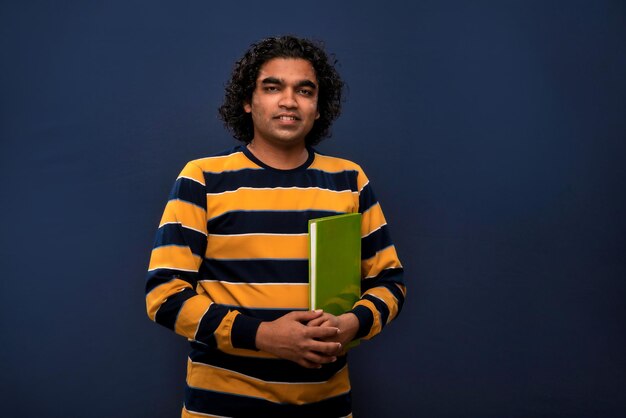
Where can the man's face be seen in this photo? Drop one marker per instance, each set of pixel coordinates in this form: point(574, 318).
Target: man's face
point(284, 102)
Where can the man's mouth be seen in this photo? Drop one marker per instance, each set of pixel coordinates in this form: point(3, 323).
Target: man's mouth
point(287, 117)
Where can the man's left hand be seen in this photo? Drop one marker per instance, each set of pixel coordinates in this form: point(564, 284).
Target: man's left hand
point(348, 325)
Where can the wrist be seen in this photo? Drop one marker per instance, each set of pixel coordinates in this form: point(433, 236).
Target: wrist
point(244, 332)
point(348, 325)
point(366, 320)
point(259, 338)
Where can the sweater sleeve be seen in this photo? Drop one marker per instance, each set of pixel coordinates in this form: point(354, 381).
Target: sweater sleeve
point(382, 285)
point(177, 255)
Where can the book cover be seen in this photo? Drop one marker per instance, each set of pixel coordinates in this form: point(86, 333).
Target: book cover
point(335, 262)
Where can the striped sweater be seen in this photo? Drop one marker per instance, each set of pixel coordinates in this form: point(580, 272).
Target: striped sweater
point(231, 251)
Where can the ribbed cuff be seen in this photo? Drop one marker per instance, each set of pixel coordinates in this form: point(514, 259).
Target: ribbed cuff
point(366, 320)
point(243, 334)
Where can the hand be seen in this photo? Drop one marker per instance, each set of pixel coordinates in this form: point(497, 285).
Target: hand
point(348, 325)
point(289, 338)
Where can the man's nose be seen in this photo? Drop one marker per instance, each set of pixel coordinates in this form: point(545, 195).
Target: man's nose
point(288, 99)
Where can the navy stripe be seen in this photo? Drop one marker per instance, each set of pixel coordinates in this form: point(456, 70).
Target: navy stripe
point(382, 308)
point(271, 370)
point(366, 320)
point(256, 270)
point(374, 242)
point(388, 279)
point(168, 311)
point(158, 277)
point(264, 222)
point(367, 199)
point(255, 178)
point(176, 234)
point(189, 191)
point(385, 277)
point(224, 404)
point(243, 332)
point(395, 290)
point(209, 323)
point(209, 342)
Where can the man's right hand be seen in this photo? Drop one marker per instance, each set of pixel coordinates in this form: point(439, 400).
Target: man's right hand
point(289, 338)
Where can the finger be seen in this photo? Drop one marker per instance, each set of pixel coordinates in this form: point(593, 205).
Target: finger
point(326, 348)
point(320, 359)
point(305, 316)
point(316, 322)
point(322, 332)
point(309, 364)
point(324, 323)
point(330, 323)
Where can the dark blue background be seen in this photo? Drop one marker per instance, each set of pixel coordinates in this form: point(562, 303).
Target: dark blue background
point(495, 136)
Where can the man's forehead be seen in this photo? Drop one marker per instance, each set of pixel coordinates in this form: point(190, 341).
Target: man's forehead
point(287, 69)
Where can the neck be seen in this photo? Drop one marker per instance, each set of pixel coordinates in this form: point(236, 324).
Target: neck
point(282, 158)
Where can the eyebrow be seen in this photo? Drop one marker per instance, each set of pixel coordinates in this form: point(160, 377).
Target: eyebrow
point(303, 83)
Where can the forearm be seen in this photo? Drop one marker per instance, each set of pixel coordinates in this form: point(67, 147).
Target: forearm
point(381, 302)
point(173, 303)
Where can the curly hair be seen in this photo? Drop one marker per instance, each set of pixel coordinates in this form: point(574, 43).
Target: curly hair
point(243, 82)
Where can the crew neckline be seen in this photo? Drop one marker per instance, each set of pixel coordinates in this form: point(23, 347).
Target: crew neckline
point(260, 163)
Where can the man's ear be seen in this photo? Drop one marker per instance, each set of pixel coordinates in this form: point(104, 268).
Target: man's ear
point(317, 115)
point(246, 107)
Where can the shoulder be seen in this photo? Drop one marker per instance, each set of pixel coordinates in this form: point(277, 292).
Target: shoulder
point(232, 159)
point(335, 164)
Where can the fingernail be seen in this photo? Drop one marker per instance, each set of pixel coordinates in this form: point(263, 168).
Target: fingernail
point(318, 311)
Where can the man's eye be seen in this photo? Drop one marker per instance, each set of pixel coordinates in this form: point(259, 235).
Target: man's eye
point(306, 92)
point(271, 88)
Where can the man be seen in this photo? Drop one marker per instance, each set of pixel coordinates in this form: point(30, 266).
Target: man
point(229, 269)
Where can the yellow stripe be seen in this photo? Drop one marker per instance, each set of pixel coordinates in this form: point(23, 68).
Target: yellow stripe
point(291, 199)
point(159, 294)
point(186, 213)
point(333, 164)
point(193, 171)
point(386, 296)
point(372, 220)
point(189, 414)
point(174, 257)
point(223, 331)
point(376, 325)
point(212, 378)
point(387, 258)
point(402, 289)
point(219, 164)
point(257, 246)
point(278, 296)
point(190, 315)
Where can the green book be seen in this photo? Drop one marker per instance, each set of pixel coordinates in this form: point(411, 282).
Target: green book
point(335, 262)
